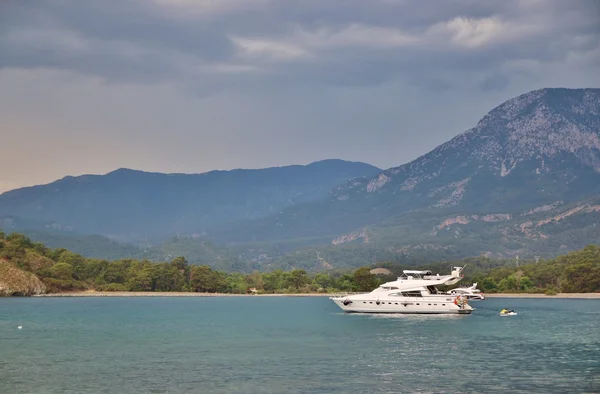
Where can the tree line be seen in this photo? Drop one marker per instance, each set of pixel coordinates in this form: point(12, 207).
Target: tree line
point(62, 270)
point(575, 272)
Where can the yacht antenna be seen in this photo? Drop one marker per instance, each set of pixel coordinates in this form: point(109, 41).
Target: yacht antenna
point(517, 260)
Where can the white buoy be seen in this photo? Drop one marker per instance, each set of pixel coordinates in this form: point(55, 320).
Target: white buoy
point(20, 327)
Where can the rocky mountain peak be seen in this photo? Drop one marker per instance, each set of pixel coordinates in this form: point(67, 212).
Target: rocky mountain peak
point(525, 153)
point(541, 124)
point(558, 100)
point(539, 131)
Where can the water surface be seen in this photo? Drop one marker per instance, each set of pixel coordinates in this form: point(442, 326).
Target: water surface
point(293, 345)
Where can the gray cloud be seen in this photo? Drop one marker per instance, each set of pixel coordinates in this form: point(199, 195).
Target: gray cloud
point(381, 80)
point(315, 41)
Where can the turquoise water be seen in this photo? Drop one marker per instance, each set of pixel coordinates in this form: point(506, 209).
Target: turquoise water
point(292, 345)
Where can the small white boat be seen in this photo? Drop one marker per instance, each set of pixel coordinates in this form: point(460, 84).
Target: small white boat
point(413, 292)
point(471, 292)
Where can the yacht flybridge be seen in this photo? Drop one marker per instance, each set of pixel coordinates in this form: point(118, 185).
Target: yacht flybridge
point(413, 292)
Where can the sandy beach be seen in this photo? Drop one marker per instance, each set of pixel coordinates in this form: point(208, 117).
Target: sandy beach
point(186, 294)
point(169, 294)
point(538, 295)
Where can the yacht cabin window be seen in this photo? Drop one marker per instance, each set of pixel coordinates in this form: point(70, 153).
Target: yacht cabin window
point(412, 293)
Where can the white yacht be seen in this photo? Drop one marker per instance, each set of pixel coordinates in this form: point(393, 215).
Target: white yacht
point(471, 292)
point(413, 292)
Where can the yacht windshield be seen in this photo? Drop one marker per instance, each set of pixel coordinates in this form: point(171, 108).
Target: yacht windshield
point(433, 290)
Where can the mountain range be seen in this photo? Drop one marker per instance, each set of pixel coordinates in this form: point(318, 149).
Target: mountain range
point(525, 180)
point(131, 205)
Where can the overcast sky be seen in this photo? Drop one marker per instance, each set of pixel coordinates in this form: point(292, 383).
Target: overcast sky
point(195, 85)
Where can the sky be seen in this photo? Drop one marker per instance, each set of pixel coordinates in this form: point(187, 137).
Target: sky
point(196, 85)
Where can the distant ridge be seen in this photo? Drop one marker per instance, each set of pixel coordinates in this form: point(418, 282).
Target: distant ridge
point(132, 205)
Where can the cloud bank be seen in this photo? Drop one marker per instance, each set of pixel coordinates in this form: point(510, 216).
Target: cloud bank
point(194, 85)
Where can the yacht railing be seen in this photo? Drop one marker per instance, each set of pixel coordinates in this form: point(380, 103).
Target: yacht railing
point(344, 294)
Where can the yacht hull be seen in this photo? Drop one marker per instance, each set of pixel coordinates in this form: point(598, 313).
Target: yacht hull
point(401, 306)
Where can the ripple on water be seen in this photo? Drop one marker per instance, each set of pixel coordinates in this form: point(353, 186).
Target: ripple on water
point(293, 345)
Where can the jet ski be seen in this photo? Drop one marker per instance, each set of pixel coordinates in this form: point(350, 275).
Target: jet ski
point(507, 312)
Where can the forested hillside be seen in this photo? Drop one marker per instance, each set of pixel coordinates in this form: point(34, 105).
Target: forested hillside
point(28, 268)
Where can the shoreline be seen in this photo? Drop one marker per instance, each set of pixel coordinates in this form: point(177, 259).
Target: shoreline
point(171, 294)
point(588, 296)
point(190, 294)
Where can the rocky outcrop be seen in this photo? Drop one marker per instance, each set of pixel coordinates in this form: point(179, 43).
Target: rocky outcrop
point(463, 219)
point(16, 282)
point(377, 183)
point(455, 220)
point(360, 234)
point(543, 208)
point(586, 208)
point(458, 189)
point(495, 217)
point(532, 229)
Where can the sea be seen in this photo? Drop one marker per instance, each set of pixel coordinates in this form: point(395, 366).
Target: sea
point(293, 345)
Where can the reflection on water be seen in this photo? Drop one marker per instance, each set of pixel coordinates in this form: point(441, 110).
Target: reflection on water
point(415, 317)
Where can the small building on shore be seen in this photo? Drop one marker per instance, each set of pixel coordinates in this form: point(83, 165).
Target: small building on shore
point(381, 271)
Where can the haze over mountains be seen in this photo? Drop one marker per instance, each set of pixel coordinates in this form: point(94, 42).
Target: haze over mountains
point(525, 180)
point(135, 205)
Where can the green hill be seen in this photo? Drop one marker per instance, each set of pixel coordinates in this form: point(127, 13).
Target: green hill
point(28, 268)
